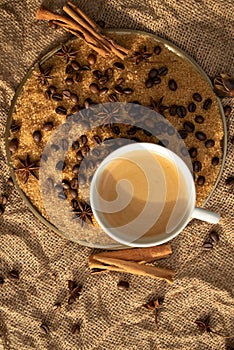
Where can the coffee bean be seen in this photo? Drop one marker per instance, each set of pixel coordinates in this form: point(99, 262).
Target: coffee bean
point(47, 126)
point(214, 236)
point(200, 180)
point(76, 169)
point(103, 80)
point(75, 145)
point(181, 111)
point(52, 89)
point(192, 107)
point(97, 74)
point(230, 181)
point(197, 97)
point(85, 67)
point(74, 183)
point(132, 130)
point(157, 80)
point(61, 110)
point(207, 246)
point(97, 139)
point(85, 150)
point(77, 77)
point(57, 97)
point(201, 136)
point(189, 126)
point(37, 136)
point(128, 91)
point(115, 129)
point(215, 161)
point(74, 204)
point(149, 83)
point(13, 145)
point(171, 130)
point(109, 73)
point(75, 329)
point(199, 119)
point(65, 184)
point(173, 110)
point(172, 85)
point(183, 134)
point(119, 65)
point(45, 328)
point(60, 165)
point(197, 166)
point(157, 50)
point(79, 155)
point(184, 151)
point(153, 73)
point(113, 98)
point(10, 182)
point(103, 91)
point(193, 152)
point(94, 88)
point(69, 81)
point(163, 71)
point(15, 127)
point(73, 194)
point(47, 94)
point(74, 98)
point(75, 65)
point(91, 59)
point(118, 89)
point(124, 285)
point(207, 104)
point(69, 69)
point(1, 280)
point(13, 274)
point(66, 94)
point(83, 139)
point(227, 111)
point(75, 109)
point(1, 209)
point(209, 143)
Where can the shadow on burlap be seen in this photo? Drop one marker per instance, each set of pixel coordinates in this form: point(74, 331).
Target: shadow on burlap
point(110, 318)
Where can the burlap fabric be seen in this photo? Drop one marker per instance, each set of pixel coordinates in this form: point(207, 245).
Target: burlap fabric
point(111, 318)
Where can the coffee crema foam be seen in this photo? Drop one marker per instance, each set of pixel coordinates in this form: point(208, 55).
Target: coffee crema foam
point(142, 193)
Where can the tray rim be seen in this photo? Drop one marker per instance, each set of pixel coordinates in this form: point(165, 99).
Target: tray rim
point(170, 46)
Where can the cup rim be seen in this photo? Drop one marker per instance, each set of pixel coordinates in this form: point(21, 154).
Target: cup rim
point(162, 151)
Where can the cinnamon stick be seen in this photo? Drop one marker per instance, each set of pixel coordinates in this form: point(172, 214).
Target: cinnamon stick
point(84, 16)
point(138, 269)
point(140, 254)
point(94, 264)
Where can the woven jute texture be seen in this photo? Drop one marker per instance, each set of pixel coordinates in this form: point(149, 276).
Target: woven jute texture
point(112, 318)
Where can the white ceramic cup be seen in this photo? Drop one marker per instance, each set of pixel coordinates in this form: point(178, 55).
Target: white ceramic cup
point(137, 238)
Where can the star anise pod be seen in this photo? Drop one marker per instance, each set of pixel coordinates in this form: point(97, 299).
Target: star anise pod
point(83, 212)
point(26, 168)
point(109, 114)
point(44, 75)
point(141, 55)
point(158, 106)
point(204, 326)
point(67, 52)
point(224, 85)
point(74, 291)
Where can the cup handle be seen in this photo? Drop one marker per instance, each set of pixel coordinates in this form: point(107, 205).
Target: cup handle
point(205, 215)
